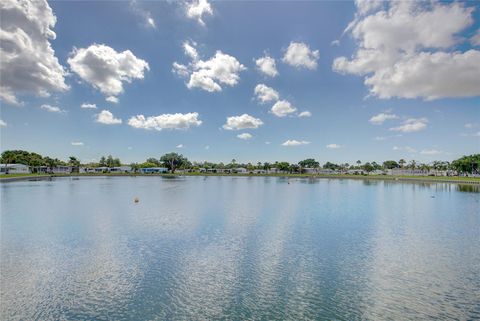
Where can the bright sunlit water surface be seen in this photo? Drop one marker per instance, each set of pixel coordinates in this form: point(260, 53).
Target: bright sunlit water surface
point(238, 248)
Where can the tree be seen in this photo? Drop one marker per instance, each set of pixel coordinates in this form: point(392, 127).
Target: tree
point(154, 161)
point(267, 166)
point(402, 162)
point(368, 167)
point(331, 166)
point(283, 166)
point(467, 164)
point(102, 162)
point(413, 164)
point(309, 163)
point(390, 164)
point(173, 160)
point(294, 168)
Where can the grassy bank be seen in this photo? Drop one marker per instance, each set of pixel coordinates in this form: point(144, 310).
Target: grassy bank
point(450, 179)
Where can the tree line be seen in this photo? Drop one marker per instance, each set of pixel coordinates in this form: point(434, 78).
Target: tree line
point(173, 161)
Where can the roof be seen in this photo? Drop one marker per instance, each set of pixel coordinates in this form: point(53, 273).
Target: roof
point(13, 165)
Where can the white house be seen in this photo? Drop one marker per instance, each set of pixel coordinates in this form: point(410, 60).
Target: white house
point(86, 170)
point(259, 171)
point(407, 172)
point(62, 169)
point(273, 170)
point(121, 169)
point(241, 170)
point(14, 169)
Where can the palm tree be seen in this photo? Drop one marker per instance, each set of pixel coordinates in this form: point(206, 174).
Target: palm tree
point(401, 162)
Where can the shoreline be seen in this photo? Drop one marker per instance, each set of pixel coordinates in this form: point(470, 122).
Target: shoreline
point(425, 179)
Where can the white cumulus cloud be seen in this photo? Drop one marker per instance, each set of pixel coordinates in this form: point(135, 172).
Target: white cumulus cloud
point(381, 118)
point(333, 146)
point(411, 125)
point(282, 108)
point(52, 109)
point(107, 118)
point(88, 106)
point(406, 49)
point(106, 69)
point(166, 121)
point(196, 9)
point(3, 123)
point(267, 66)
point(28, 64)
point(245, 136)
point(209, 75)
point(242, 122)
point(77, 143)
point(265, 94)
point(299, 55)
point(293, 142)
point(179, 146)
point(305, 114)
point(475, 40)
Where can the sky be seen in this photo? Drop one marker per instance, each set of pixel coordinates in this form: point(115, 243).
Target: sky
point(246, 80)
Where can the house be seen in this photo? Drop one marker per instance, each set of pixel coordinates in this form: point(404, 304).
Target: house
point(241, 170)
point(153, 170)
point(14, 169)
point(377, 172)
point(102, 169)
point(273, 170)
point(62, 170)
point(326, 171)
point(121, 169)
point(259, 171)
point(355, 172)
point(406, 172)
point(86, 170)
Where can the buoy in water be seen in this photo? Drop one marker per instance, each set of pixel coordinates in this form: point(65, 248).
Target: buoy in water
point(136, 200)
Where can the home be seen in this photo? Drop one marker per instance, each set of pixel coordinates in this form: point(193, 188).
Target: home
point(240, 170)
point(153, 170)
point(121, 169)
point(84, 170)
point(259, 171)
point(102, 169)
point(377, 172)
point(309, 170)
point(355, 172)
point(326, 171)
point(406, 172)
point(14, 169)
point(62, 169)
point(273, 170)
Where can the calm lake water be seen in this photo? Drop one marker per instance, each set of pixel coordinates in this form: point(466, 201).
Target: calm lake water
point(238, 248)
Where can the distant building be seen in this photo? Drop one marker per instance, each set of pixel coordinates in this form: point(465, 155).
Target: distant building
point(61, 170)
point(14, 169)
point(259, 171)
point(356, 172)
point(241, 170)
point(102, 169)
point(273, 170)
point(153, 170)
point(121, 169)
point(407, 172)
point(84, 170)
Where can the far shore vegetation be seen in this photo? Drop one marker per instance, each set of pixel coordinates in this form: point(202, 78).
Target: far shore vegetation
point(462, 169)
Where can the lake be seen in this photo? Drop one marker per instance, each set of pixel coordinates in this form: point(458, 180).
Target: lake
point(238, 248)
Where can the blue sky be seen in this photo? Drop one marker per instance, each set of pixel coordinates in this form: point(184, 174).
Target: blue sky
point(408, 85)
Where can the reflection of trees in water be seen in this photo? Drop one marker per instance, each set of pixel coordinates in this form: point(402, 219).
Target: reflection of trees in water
point(468, 188)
